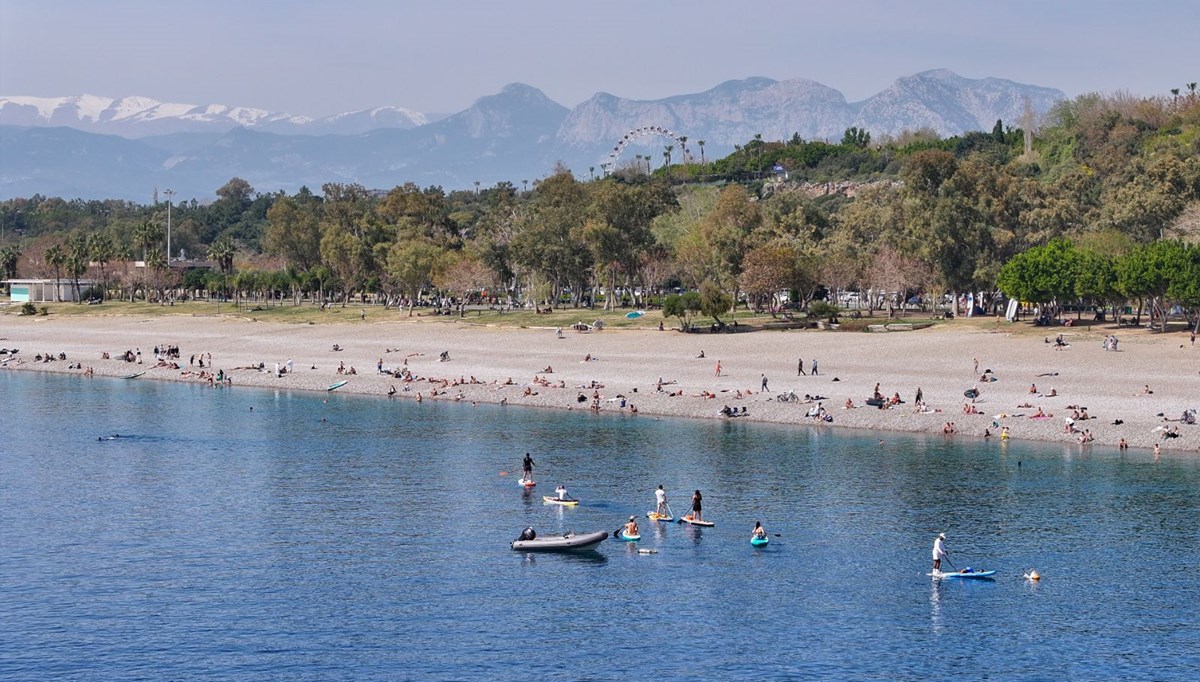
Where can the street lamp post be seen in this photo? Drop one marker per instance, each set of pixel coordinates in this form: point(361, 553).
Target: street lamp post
point(170, 195)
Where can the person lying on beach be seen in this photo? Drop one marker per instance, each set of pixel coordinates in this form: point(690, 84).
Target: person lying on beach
point(1145, 390)
point(548, 370)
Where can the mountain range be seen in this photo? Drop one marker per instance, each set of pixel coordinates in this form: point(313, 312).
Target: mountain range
point(97, 147)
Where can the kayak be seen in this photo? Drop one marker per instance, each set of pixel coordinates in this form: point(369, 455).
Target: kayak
point(694, 522)
point(655, 516)
point(336, 386)
point(628, 538)
point(570, 542)
point(134, 376)
point(759, 542)
point(965, 574)
point(554, 500)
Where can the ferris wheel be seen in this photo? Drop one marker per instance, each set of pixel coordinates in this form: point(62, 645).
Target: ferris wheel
point(637, 134)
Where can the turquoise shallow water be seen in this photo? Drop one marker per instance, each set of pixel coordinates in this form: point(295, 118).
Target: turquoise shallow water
point(368, 540)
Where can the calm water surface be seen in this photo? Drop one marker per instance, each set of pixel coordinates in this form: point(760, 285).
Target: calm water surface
point(361, 539)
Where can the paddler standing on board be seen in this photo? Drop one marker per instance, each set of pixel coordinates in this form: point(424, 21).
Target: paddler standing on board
point(527, 469)
point(697, 499)
point(660, 498)
point(939, 551)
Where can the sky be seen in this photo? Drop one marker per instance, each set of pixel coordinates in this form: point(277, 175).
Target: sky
point(320, 58)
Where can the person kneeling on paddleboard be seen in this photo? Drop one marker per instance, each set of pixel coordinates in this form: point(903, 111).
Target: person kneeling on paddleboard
point(939, 551)
point(759, 531)
point(631, 528)
point(562, 492)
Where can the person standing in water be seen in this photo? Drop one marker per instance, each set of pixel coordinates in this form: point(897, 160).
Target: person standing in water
point(660, 500)
point(527, 468)
point(939, 551)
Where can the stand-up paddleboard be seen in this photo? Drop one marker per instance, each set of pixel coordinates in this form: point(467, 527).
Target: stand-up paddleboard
point(966, 573)
point(334, 387)
point(622, 535)
point(134, 376)
point(694, 522)
point(759, 542)
point(554, 500)
point(526, 483)
point(655, 516)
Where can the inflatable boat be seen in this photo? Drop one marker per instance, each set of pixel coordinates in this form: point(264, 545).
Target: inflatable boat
point(569, 542)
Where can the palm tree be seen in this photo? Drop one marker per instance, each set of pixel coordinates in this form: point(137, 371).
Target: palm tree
point(1191, 90)
point(476, 188)
point(592, 172)
point(156, 264)
point(701, 143)
point(526, 183)
point(146, 235)
point(102, 251)
point(56, 257)
point(667, 153)
point(9, 257)
point(683, 147)
point(77, 261)
point(221, 252)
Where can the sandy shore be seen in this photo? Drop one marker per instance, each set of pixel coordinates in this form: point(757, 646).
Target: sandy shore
point(941, 362)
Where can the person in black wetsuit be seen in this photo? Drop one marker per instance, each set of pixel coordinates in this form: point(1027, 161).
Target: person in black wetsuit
point(527, 468)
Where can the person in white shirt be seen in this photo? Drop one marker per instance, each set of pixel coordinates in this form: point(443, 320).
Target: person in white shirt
point(562, 492)
point(660, 498)
point(939, 551)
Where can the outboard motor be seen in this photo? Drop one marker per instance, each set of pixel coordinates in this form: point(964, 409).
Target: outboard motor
point(527, 534)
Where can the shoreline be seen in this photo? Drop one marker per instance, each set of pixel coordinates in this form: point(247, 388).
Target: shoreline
point(628, 364)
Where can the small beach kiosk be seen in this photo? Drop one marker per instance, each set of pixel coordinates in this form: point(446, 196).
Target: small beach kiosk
point(45, 290)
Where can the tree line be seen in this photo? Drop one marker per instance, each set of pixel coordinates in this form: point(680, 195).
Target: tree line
point(914, 214)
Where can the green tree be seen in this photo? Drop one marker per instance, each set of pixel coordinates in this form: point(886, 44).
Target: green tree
point(56, 257)
point(683, 306)
point(855, 137)
point(410, 267)
point(76, 261)
point(714, 302)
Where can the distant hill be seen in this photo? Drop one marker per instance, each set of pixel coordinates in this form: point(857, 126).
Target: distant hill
point(54, 146)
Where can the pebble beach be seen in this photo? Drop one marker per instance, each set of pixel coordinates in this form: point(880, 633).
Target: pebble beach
point(1137, 393)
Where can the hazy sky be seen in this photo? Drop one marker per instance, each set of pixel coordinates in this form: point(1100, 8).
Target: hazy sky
point(318, 58)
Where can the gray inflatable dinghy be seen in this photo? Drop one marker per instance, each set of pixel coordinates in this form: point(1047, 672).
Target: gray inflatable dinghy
point(570, 542)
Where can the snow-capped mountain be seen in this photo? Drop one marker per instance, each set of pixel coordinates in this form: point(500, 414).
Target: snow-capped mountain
point(51, 146)
point(137, 117)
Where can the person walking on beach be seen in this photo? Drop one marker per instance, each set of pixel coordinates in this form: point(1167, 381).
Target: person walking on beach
point(527, 468)
point(718, 368)
point(939, 551)
point(764, 384)
point(660, 501)
point(800, 367)
point(814, 367)
point(697, 498)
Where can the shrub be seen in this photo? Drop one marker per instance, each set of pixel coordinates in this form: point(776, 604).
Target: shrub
point(28, 309)
point(823, 309)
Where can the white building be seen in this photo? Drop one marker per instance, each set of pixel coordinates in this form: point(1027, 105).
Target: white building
point(44, 290)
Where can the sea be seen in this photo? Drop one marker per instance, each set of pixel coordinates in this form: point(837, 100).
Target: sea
point(166, 531)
